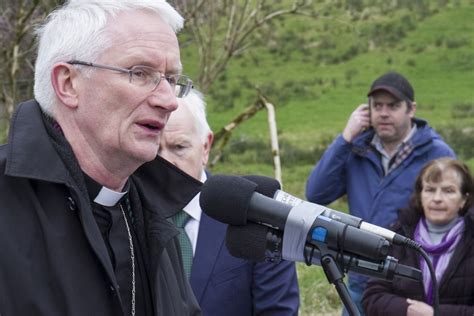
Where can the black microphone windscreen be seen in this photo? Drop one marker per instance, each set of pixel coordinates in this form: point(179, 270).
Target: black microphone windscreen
point(265, 185)
point(227, 198)
point(247, 242)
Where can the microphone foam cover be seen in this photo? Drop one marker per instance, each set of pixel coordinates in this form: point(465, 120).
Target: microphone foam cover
point(265, 185)
point(227, 198)
point(247, 242)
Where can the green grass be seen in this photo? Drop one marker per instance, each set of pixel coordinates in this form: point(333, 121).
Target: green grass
point(316, 71)
point(317, 291)
point(314, 97)
point(441, 77)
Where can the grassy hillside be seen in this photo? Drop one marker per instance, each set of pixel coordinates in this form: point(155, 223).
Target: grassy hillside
point(315, 89)
point(316, 71)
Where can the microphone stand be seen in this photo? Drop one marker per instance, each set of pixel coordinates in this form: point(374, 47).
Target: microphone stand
point(335, 276)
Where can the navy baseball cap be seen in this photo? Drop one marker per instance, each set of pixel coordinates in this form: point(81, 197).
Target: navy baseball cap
point(395, 84)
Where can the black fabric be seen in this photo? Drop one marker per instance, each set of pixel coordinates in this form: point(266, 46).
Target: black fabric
point(222, 192)
point(248, 242)
point(175, 186)
point(65, 152)
point(54, 259)
point(118, 242)
point(456, 288)
point(265, 185)
point(144, 302)
point(109, 219)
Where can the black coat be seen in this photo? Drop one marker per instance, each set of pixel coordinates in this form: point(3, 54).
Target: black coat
point(456, 288)
point(53, 260)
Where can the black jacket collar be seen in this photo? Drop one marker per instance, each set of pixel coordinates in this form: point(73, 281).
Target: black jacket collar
point(32, 155)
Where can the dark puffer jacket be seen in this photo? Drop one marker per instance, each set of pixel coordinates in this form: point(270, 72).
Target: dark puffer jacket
point(456, 288)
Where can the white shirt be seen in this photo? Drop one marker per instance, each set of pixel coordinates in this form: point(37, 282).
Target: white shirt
point(194, 210)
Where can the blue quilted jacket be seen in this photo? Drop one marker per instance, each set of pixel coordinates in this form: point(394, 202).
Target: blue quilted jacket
point(356, 169)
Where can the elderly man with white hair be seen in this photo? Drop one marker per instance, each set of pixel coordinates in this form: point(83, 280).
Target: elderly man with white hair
point(223, 284)
point(83, 197)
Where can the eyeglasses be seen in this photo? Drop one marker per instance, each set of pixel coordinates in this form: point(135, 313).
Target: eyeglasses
point(147, 77)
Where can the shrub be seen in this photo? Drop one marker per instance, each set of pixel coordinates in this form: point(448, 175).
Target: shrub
point(462, 110)
point(456, 42)
point(248, 150)
point(460, 139)
point(411, 62)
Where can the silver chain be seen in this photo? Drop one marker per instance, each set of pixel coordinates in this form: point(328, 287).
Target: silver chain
point(132, 257)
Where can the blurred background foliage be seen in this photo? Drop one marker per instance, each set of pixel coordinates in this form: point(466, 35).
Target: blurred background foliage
point(314, 60)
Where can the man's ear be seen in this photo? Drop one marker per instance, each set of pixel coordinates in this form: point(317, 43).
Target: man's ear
point(207, 148)
point(63, 78)
point(412, 110)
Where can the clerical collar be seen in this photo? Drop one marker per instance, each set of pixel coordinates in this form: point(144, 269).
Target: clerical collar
point(103, 195)
point(107, 197)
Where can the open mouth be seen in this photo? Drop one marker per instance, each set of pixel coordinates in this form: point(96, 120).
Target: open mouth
point(150, 125)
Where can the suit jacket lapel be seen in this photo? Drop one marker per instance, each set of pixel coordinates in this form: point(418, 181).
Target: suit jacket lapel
point(210, 242)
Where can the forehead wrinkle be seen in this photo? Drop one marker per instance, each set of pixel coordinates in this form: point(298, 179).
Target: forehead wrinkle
point(149, 39)
point(176, 127)
point(150, 44)
point(161, 44)
point(180, 138)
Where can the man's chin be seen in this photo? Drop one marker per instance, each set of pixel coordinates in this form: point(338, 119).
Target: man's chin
point(145, 153)
point(385, 134)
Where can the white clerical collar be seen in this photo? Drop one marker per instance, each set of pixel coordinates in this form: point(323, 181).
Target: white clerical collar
point(107, 197)
point(193, 208)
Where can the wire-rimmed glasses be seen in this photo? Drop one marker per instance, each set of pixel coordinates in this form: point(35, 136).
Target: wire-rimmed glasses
point(147, 77)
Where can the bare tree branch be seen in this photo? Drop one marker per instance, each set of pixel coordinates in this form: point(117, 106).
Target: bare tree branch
point(222, 137)
point(222, 29)
point(17, 21)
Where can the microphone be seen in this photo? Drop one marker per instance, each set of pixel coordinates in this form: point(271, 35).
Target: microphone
point(265, 185)
point(274, 190)
point(233, 200)
point(348, 219)
point(261, 243)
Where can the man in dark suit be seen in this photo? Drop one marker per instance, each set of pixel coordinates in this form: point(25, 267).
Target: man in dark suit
point(222, 284)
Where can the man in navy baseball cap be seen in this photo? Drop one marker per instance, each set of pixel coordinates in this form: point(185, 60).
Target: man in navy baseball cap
point(395, 84)
point(376, 159)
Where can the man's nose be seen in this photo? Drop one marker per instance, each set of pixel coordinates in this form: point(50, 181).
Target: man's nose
point(384, 110)
point(164, 96)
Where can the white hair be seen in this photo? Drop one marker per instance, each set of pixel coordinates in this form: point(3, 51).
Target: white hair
point(194, 101)
point(76, 31)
